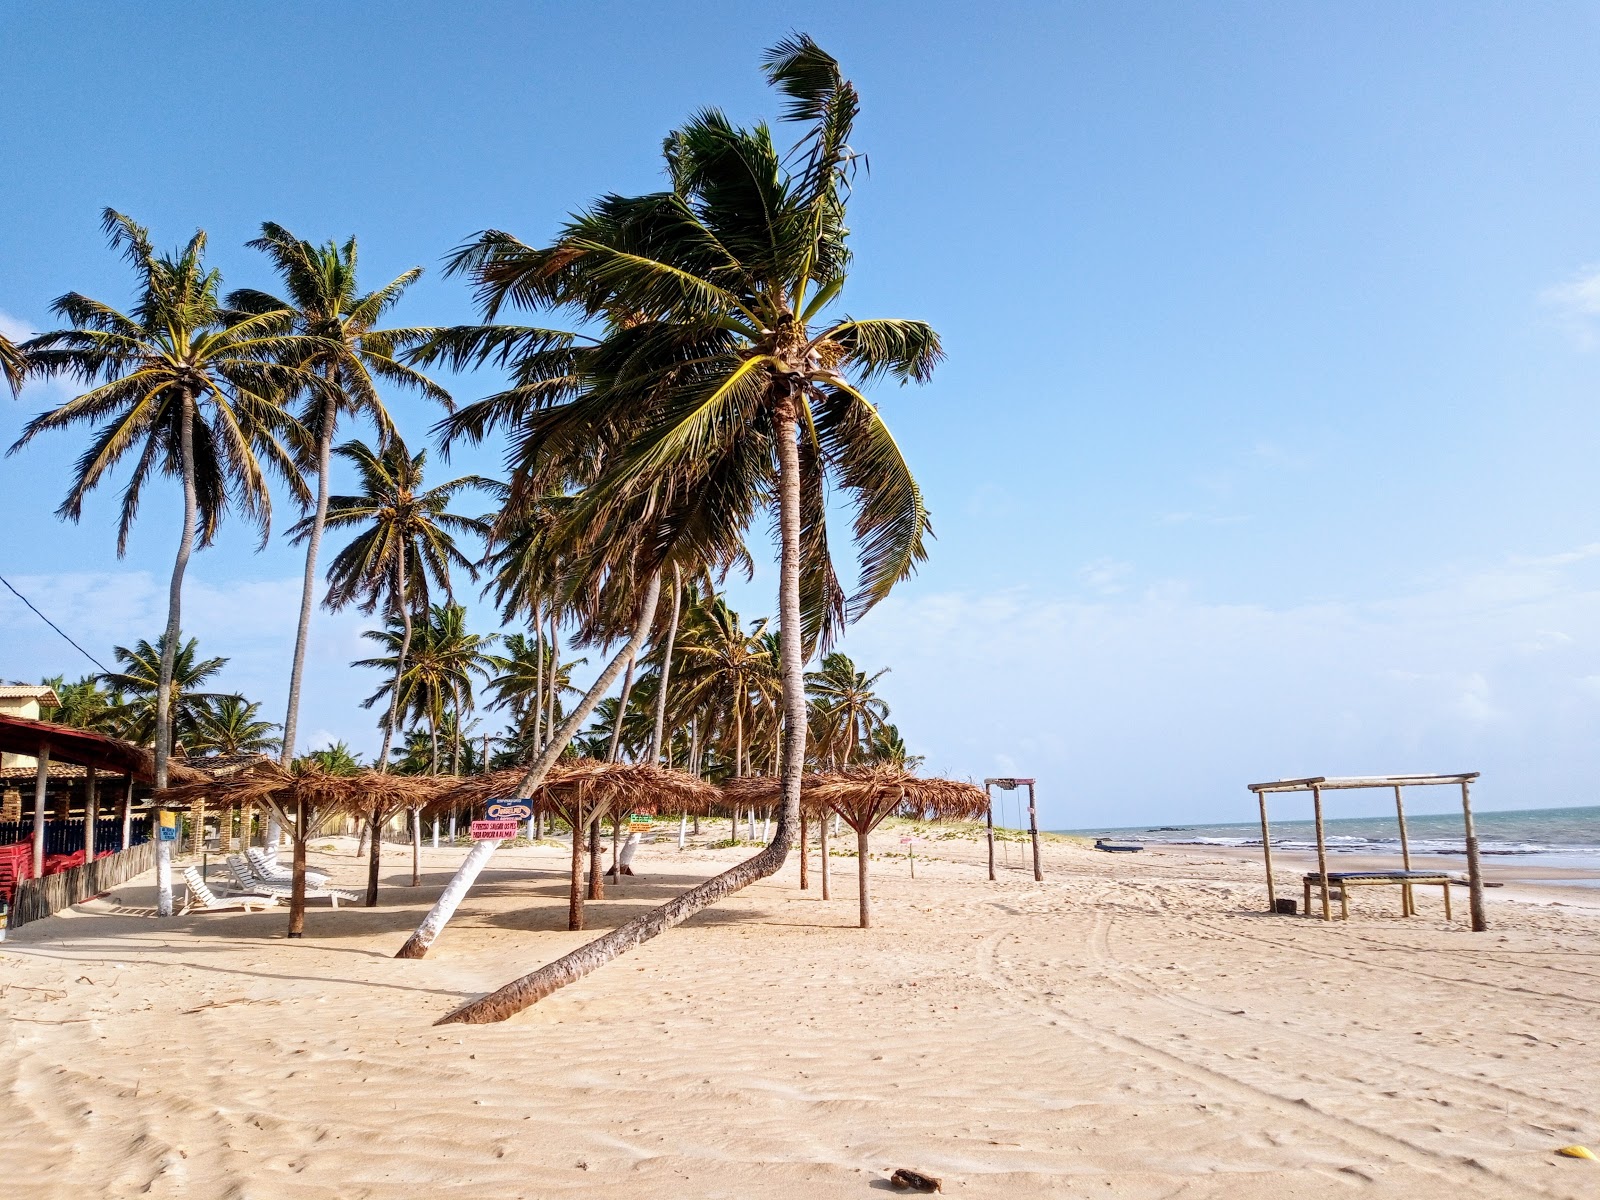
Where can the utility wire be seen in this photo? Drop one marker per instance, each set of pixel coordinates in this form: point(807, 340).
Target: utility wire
point(54, 626)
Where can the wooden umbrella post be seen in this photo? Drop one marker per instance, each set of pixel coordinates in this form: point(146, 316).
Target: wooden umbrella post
point(1322, 854)
point(575, 899)
point(1266, 853)
point(805, 851)
point(988, 817)
point(41, 785)
point(1474, 868)
point(1033, 828)
point(822, 838)
point(1408, 904)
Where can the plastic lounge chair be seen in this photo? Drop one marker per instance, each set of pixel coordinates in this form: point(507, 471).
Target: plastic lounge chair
point(245, 881)
point(203, 899)
point(264, 869)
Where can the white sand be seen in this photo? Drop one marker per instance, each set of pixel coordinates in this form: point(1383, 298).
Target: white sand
point(1132, 1027)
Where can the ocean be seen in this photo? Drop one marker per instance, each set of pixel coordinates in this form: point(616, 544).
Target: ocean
point(1549, 837)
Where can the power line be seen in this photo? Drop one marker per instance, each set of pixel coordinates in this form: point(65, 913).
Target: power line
point(54, 626)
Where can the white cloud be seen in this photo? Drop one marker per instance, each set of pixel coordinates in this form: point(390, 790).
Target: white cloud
point(1576, 304)
point(1160, 704)
point(1106, 576)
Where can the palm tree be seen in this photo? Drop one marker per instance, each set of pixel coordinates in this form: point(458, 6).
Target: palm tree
point(527, 671)
point(84, 704)
point(721, 387)
point(723, 667)
point(13, 364)
point(848, 712)
point(186, 708)
point(337, 759)
point(405, 537)
point(349, 355)
point(888, 747)
point(233, 725)
point(192, 389)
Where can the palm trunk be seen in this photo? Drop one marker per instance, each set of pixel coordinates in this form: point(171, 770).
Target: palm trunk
point(308, 587)
point(538, 676)
point(400, 659)
point(533, 987)
point(622, 713)
point(297, 889)
point(439, 915)
point(169, 648)
point(550, 696)
point(416, 847)
point(597, 887)
point(375, 856)
point(666, 669)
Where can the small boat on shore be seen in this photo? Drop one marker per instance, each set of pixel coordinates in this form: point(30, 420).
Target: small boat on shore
point(1111, 847)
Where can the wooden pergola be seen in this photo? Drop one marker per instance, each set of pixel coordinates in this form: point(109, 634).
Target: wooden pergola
point(1317, 784)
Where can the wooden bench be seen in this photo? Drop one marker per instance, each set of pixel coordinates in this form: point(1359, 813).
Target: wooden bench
point(1345, 880)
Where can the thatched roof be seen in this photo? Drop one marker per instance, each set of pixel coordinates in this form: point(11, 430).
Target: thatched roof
point(636, 787)
point(84, 747)
point(307, 781)
point(868, 794)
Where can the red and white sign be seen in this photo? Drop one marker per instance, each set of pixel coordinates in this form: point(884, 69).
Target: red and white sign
point(493, 831)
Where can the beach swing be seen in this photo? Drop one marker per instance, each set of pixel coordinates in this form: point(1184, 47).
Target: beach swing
point(1010, 785)
point(1406, 879)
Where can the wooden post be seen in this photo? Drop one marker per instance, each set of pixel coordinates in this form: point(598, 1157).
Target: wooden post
point(1408, 903)
point(127, 813)
point(91, 813)
point(862, 838)
point(1322, 853)
point(616, 846)
point(1474, 869)
point(41, 785)
point(1033, 828)
point(597, 887)
point(988, 817)
point(805, 851)
point(822, 837)
point(297, 887)
point(1266, 853)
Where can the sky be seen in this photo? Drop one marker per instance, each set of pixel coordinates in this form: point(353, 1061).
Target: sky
point(1265, 445)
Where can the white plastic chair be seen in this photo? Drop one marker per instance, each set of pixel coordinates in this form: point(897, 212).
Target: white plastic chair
point(203, 899)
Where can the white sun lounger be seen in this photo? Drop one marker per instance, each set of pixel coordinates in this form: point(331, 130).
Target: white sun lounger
point(244, 881)
point(264, 869)
point(203, 899)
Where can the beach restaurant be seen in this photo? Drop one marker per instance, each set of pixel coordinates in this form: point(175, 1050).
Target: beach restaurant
point(68, 799)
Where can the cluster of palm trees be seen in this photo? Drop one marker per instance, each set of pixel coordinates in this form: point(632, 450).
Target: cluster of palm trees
point(679, 368)
point(122, 703)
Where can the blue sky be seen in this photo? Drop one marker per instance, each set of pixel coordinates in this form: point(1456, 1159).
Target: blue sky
point(1266, 441)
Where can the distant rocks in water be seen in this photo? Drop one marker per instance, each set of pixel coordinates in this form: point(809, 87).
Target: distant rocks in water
point(1171, 829)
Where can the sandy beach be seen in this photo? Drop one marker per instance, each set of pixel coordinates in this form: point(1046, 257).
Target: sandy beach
point(1132, 1027)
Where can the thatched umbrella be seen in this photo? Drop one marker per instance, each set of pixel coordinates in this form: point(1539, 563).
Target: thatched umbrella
point(303, 797)
point(580, 792)
point(864, 796)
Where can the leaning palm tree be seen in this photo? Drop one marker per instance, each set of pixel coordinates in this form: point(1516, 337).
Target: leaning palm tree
point(349, 355)
point(193, 390)
point(233, 725)
point(721, 387)
point(405, 537)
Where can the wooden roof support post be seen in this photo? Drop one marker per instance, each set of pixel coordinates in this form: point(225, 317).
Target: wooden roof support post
point(988, 817)
point(41, 783)
point(1322, 853)
point(1266, 853)
point(1408, 904)
point(127, 813)
point(1033, 828)
point(1474, 867)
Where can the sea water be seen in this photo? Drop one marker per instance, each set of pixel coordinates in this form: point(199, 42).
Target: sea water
point(1568, 838)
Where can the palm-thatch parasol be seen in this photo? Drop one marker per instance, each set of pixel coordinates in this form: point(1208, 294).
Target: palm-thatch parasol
point(864, 796)
point(580, 792)
point(303, 797)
